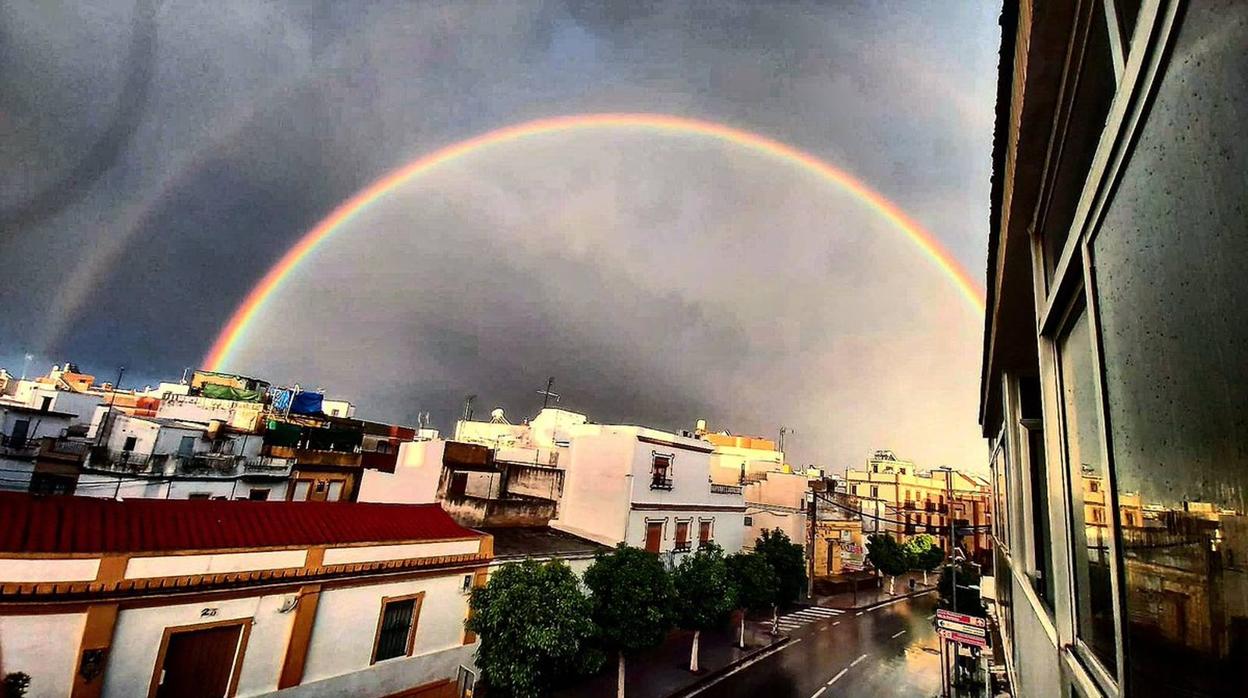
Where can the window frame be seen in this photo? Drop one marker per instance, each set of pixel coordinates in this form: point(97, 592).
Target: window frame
point(1139, 62)
point(418, 600)
point(663, 482)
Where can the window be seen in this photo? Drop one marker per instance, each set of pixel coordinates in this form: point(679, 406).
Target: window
point(1032, 422)
point(45, 404)
point(49, 483)
point(1088, 92)
point(199, 495)
point(1168, 265)
point(749, 521)
point(654, 536)
point(661, 472)
point(1090, 538)
point(129, 444)
point(875, 492)
point(396, 629)
point(682, 535)
point(704, 532)
point(383, 446)
point(258, 494)
point(186, 446)
point(465, 682)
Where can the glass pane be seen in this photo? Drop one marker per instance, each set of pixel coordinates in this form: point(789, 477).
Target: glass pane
point(1090, 93)
point(1169, 263)
point(1042, 578)
point(395, 623)
point(1090, 530)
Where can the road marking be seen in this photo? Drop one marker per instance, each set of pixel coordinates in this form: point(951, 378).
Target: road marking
point(747, 665)
point(898, 634)
point(818, 693)
point(931, 616)
point(855, 662)
point(858, 614)
point(836, 623)
point(838, 676)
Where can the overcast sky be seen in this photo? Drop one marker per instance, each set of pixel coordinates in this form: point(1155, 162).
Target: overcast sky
point(157, 158)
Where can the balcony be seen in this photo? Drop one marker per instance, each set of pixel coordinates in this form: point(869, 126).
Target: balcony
point(682, 546)
point(725, 489)
point(18, 446)
point(660, 483)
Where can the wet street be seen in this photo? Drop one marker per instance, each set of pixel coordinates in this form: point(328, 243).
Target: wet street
point(888, 651)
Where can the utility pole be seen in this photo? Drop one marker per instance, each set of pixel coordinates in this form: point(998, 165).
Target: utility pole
point(812, 520)
point(547, 394)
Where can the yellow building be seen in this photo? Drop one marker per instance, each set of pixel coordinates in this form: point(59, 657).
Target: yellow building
point(899, 499)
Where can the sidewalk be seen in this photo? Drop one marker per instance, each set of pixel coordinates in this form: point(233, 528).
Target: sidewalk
point(868, 596)
point(664, 670)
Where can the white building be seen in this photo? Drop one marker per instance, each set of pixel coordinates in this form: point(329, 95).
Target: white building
point(237, 598)
point(152, 457)
point(648, 489)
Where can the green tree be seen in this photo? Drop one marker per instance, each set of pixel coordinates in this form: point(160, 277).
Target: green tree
point(705, 595)
point(924, 553)
point(534, 625)
point(756, 584)
point(787, 561)
point(631, 596)
point(888, 556)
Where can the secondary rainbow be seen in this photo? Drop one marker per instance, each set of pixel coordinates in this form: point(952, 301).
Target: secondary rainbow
point(272, 280)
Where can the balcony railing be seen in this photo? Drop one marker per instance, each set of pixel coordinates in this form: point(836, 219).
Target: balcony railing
point(717, 488)
point(682, 546)
point(660, 483)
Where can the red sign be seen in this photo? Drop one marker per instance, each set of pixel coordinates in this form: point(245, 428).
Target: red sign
point(942, 614)
point(962, 639)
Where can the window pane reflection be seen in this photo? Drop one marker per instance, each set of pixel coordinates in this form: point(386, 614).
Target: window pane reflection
point(1169, 263)
point(1090, 528)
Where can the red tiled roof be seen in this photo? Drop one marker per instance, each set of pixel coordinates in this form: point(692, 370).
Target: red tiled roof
point(64, 524)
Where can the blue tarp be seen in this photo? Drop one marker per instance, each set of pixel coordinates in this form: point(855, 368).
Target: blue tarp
point(306, 403)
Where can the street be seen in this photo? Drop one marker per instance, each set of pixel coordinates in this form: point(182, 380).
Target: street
point(888, 651)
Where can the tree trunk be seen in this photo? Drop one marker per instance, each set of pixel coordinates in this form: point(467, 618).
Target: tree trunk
point(693, 657)
point(742, 642)
point(925, 577)
point(775, 619)
point(619, 681)
point(891, 579)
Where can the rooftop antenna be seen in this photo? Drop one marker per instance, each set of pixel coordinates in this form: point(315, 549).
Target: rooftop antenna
point(547, 394)
point(184, 372)
point(468, 407)
point(783, 431)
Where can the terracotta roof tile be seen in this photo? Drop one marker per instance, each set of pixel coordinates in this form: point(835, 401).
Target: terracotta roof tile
point(61, 524)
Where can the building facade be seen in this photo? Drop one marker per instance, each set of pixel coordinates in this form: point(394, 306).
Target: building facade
point(240, 598)
point(897, 498)
point(1115, 345)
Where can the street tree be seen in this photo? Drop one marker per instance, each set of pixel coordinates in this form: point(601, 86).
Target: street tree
point(788, 562)
point(534, 625)
point(756, 585)
point(924, 553)
point(705, 595)
point(631, 596)
point(888, 556)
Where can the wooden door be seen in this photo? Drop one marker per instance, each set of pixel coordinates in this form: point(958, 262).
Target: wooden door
point(654, 536)
point(199, 663)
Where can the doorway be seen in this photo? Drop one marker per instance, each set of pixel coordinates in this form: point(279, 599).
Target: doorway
point(200, 661)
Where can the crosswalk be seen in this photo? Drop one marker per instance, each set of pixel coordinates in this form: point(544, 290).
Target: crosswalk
point(792, 621)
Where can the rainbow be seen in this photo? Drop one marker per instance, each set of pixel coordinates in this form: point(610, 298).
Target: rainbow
point(924, 240)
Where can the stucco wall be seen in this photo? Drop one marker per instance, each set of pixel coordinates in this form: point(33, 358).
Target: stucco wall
point(596, 489)
point(346, 626)
point(45, 570)
point(137, 637)
point(415, 476)
point(180, 565)
point(45, 646)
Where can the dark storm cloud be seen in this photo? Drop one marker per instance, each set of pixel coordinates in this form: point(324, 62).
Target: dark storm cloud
point(257, 119)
